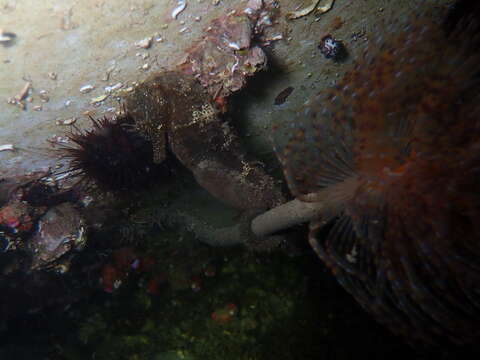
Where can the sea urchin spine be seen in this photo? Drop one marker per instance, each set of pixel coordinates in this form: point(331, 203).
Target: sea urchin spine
point(110, 154)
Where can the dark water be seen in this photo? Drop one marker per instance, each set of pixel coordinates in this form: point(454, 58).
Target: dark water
point(192, 302)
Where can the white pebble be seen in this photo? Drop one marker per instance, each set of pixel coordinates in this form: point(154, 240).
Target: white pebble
point(86, 88)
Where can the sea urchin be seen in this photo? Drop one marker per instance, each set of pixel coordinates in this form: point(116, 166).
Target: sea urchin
point(111, 154)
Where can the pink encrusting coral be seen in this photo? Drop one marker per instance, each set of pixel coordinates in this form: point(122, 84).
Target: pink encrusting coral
point(393, 154)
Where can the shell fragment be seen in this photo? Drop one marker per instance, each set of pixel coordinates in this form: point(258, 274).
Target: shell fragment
point(322, 6)
point(7, 147)
point(181, 5)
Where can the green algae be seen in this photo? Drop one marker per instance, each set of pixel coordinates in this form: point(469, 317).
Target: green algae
point(177, 322)
point(286, 307)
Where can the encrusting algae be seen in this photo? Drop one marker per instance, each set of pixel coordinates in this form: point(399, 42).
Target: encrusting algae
point(391, 157)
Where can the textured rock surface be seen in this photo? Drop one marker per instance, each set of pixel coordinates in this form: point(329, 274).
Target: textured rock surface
point(173, 110)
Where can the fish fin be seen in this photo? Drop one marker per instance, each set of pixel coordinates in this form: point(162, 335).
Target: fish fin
point(342, 248)
point(317, 153)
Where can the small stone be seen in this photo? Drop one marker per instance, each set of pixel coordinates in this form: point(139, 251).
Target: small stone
point(24, 92)
point(98, 99)
point(86, 88)
point(112, 88)
point(7, 147)
point(144, 43)
point(43, 94)
point(69, 121)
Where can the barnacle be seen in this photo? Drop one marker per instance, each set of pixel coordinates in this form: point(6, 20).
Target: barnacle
point(392, 153)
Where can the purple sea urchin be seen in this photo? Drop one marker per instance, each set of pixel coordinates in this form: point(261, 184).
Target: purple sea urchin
point(111, 154)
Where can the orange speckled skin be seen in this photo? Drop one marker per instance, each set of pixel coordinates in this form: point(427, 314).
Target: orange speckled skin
point(393, 152)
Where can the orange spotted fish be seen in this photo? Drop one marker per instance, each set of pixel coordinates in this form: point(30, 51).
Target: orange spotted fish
point(393, 154)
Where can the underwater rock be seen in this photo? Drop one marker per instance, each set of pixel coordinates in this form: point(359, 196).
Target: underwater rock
point(9, 186)
point(27, 222)
point(60, 231)
point(18, 208)
point(17, 216)
point(226, 56)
